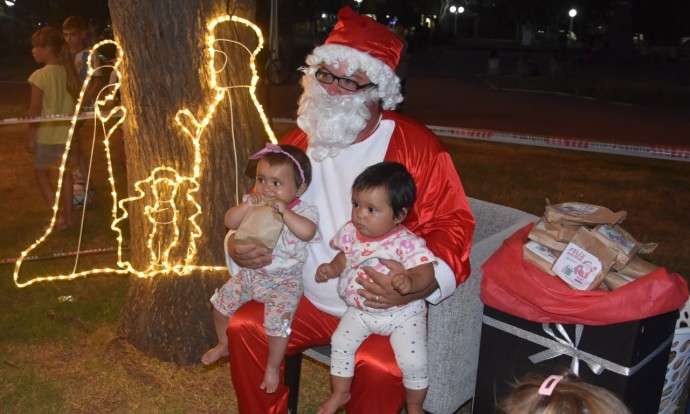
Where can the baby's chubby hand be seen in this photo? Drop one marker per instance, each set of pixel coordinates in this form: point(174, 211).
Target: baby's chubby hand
point(252, 199)
point(325, 272)
point(402, 283)
point(279, 206)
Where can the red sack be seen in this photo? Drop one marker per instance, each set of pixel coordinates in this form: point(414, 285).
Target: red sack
point(517, 287)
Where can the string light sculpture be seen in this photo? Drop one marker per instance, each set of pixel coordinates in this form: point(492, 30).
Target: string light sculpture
point(102, 116)
point(164, 181)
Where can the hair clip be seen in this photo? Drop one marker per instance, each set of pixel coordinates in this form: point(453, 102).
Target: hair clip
point(549, 384)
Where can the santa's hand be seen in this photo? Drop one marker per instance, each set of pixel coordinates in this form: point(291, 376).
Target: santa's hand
point(378, 292)
point(248, 254)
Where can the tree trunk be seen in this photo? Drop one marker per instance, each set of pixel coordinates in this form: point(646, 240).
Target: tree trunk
point(165, 69)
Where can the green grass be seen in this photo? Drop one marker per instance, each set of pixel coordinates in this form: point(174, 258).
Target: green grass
point(28, 393)
point(80, 335)
point(65, 356)
point(653, 192)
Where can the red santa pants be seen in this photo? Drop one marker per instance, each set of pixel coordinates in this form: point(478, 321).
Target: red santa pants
point(377, 385)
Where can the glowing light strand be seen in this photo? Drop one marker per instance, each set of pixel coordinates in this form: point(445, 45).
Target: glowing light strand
point(211, 40)
point(104, 118)
point(162, 214)
point(160, 176)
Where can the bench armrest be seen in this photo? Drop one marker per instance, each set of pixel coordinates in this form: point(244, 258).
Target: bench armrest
point(455, 324)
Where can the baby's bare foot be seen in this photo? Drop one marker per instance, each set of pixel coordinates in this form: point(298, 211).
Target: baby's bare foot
point(214, 354)
point(271, 380)
point(335, 401)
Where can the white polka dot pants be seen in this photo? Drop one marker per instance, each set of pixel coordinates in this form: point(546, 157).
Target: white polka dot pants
point(407, 330)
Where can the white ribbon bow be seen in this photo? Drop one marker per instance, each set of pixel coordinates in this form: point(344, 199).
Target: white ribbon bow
point(565, 346)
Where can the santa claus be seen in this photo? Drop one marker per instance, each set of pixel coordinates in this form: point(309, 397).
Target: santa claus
point(346, 124)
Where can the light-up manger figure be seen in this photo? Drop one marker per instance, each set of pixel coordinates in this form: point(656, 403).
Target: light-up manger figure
point(159, 252)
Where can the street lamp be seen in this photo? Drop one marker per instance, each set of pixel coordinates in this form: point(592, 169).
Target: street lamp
point(9, 3)
point(359, 3)
point(572, 13)
point(456, 10)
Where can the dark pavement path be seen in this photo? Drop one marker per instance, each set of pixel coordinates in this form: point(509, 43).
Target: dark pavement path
point(463, 99)
point(442, 90)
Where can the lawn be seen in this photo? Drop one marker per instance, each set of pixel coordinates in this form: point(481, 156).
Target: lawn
point(60, 351)
point(58, 337)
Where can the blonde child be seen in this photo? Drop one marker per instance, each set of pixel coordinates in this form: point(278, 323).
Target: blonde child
point(54, 89)
point(560, 394)
point(382, 196)
point(283, 174)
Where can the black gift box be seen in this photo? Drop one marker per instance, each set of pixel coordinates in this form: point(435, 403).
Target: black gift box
point(636, 354)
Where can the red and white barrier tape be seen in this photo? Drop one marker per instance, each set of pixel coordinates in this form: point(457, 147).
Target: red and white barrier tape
point(648, 151)
point(49, 118)
point(62, 254)
point(667, 152)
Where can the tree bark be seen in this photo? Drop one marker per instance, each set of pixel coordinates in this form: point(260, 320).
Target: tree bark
point(165, 69)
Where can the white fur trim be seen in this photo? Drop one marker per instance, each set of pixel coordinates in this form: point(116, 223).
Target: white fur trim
point(388, 83)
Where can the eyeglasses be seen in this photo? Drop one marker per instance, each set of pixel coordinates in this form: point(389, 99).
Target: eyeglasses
point(347, 84)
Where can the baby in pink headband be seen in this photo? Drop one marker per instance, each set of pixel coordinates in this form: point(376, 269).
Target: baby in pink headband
point(283, 174)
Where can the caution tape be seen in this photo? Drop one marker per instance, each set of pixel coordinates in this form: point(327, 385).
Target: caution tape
point(58, 255)
point(671, 152)
point(668, 152)
point(52, 118)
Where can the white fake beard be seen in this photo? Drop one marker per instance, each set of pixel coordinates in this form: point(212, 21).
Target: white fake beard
point(331, 122)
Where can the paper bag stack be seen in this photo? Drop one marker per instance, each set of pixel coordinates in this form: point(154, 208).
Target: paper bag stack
point(585, 245)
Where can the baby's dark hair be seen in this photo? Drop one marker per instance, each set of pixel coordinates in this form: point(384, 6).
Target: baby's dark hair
point(570, 395)
point(397, 181)
point(276, 158)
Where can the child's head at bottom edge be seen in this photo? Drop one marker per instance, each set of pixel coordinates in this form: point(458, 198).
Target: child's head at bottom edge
point(560, 394)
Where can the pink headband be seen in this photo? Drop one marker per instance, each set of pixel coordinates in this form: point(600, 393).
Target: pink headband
point(276, 149)
point(549, 384)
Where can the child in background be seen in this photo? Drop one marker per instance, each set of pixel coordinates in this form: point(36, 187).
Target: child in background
point(382, 196)
point(74, 30)
point(560, 394)
point(54, 89)
point(283, 174)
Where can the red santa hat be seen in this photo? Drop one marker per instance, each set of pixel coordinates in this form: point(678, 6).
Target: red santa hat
point(363, 44)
